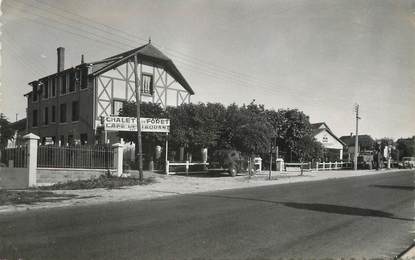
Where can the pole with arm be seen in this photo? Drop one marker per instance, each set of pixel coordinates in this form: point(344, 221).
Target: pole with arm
point(138, 101)
point(356, 141)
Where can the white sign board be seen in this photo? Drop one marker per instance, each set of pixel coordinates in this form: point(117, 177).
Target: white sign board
point(119, 123)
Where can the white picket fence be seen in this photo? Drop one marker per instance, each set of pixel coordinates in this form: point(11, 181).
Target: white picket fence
point(332, 166)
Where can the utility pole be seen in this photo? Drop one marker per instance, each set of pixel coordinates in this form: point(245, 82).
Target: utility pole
point(356, 141)
point(138, 101)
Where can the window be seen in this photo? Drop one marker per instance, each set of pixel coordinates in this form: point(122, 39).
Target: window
point(46, 116)
point(84, 78)
point(53, 119)
point(77, 78)
point(45, 87)
point(71, 81)
point(147, 84)
point(63, 84)
point(35, 93)
point(116, 106)
point(34, 118)
point(75, 111)
point(63, 113)
point(53, 87)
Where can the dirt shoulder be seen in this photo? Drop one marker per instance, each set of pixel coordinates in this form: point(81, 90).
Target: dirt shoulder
point(178, 184)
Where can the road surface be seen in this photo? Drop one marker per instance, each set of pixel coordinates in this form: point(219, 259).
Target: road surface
point(367, 216)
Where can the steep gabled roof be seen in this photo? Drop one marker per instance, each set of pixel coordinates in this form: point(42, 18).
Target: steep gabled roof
point(319, 125)
point(364, 140)
point(147, 53)
point(318, 129)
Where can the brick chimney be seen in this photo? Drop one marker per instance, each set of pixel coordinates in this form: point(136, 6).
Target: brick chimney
point(61, 59)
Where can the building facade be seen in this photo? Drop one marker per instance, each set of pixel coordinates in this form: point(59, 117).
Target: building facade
point(66, 107)
point(332, 144)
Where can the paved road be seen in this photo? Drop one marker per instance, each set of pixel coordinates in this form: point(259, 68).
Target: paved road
point(367, 216)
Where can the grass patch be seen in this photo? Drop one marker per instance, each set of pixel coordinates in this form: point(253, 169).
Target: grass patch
point(103, 181)
point(8, 197)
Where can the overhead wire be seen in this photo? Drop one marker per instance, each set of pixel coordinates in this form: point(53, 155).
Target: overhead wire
point(207, 71)
point(132, 38)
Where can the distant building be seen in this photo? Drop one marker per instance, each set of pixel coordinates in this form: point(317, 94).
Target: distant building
point(332, 144)
point(66, 106)
point(366, 144)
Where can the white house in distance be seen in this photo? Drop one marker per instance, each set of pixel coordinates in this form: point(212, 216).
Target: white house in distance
point(332, 144)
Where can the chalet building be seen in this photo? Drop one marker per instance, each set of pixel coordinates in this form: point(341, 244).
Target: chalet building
point(66, 106)
point(332, 144)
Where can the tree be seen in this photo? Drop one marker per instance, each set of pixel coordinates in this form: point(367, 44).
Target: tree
point(6, 131)
point(291, 126)
point(196, 126)
point(308, 149)
point(252, 131)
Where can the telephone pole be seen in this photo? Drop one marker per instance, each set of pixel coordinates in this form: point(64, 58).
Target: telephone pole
point(356, 141)
point(138, 101)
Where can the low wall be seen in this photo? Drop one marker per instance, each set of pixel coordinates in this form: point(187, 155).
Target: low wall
point(14, 178)
point(48, 176)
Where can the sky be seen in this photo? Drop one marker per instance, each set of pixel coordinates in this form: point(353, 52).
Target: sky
point(320, 56)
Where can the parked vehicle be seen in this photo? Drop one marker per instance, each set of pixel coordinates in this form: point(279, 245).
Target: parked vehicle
point(365, 160)
point(407, 163)
point(229, 160)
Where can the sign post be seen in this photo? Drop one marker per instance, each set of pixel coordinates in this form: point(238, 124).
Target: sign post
point(167, 152)
point(137, 102)
point(131, 124)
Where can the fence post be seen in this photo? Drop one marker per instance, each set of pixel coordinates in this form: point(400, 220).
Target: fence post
point(324, 166)
point(31, 141)
point(187, 167)
point(335, 165)
point(118, 158)
point(317, 166)
point(167, 167)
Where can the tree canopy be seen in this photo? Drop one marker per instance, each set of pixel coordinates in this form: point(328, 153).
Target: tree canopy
point(6, 130)
point(250, 129)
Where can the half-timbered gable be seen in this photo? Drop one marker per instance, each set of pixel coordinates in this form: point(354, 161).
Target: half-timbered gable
point(158, 78)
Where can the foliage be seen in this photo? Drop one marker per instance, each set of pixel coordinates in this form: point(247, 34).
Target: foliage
point(197, 125)
point(247, 129)
point(293, 130)
point(129, 109)
point(6, 130)
point(308, 149)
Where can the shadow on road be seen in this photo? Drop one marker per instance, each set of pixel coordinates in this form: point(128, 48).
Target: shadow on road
point(410, 188)
point(328, 208)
